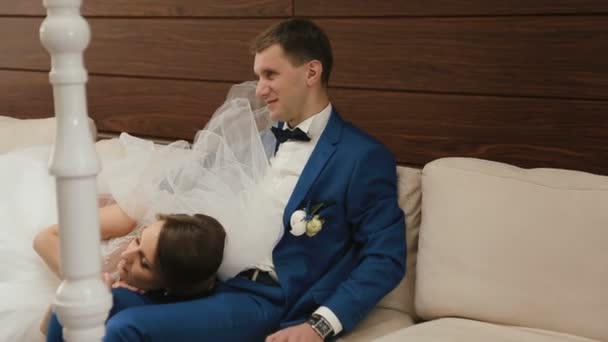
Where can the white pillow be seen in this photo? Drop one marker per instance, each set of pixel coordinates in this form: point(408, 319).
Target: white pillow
point(514, 246)
point(19, 133)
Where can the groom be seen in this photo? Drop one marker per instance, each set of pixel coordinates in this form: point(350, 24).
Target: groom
point(343, 244)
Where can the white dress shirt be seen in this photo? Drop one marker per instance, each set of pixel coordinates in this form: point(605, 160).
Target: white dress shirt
point(285, 169)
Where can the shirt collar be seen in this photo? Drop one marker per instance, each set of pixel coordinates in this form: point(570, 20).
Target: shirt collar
point(314, 125)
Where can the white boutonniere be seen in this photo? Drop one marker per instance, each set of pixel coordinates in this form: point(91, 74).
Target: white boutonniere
point(306, 220)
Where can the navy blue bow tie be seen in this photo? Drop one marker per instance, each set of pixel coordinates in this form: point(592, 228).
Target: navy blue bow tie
point(283, 135)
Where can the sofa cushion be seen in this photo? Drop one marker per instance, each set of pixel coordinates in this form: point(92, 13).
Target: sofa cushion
point(462, 330)
point(378, 323)
point(20, 133)
point(402, 297)
point(514, 246)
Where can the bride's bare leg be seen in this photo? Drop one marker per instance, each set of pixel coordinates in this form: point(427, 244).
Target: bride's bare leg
point(113, 222)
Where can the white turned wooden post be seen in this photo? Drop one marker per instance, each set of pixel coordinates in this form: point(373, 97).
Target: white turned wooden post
point(82, 301)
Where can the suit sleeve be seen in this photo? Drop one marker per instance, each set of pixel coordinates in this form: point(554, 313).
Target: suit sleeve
point(379, 231)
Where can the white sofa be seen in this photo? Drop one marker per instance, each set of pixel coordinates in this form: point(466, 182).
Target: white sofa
point(495, 252)
point(498, 253)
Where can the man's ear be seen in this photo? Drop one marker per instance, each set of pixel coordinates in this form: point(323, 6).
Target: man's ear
point(313, 74)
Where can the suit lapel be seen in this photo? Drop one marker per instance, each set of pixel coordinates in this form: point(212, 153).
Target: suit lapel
point(326, 146)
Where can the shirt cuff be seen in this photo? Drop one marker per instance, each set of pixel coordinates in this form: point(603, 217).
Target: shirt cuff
point(331, 318)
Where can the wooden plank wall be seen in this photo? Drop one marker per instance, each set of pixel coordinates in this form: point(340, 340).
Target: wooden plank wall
point(520, 81)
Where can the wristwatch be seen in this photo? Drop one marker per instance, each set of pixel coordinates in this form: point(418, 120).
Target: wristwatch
point(320, 325)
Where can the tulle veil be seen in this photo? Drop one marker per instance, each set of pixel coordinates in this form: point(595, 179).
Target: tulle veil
point(221, 174)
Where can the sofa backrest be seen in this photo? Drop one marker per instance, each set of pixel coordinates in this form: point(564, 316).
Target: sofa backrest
point(514, 246)
point(402, 297)
point(21, 133)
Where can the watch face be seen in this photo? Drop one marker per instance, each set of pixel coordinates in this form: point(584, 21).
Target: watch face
point(323, 327)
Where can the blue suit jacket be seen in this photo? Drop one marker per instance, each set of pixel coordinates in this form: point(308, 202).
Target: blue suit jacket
point(359, 255)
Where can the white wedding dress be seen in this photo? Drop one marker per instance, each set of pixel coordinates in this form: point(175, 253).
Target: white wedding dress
point(222, 174)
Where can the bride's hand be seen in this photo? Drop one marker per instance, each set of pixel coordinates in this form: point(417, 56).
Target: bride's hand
point(124, 285)
point(114, 283)
point(107, 279)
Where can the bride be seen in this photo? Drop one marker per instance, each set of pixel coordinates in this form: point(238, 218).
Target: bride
point(222, 175)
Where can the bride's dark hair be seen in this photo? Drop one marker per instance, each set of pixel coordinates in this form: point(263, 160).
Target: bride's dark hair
point(189, 253)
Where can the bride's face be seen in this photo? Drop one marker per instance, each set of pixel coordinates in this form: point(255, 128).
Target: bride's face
point(138, 266)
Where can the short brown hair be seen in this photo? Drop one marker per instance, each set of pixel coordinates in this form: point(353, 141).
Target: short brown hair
point(302, 40)
point(189, 252)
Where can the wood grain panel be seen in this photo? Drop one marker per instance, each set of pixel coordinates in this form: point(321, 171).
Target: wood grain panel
point(195, 49)
point(530, 56)
point(417, 127)
point(21, 47)
point(186, 48)
point(25, 94)
point(351, 8)
point(525, 132)
point(156, 108)
point(519, 56)
point(163, 8)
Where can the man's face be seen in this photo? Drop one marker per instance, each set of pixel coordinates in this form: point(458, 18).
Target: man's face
point(281, 84)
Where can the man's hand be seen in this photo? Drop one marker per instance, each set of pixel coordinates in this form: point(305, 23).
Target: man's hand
point(298, 333)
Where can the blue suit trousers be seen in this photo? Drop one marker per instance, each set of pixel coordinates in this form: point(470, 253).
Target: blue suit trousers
point(238, 310)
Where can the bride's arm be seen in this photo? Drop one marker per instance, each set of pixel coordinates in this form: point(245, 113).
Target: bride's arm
point(113, 222)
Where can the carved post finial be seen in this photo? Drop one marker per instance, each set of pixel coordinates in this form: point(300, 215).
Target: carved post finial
point(82, 301)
